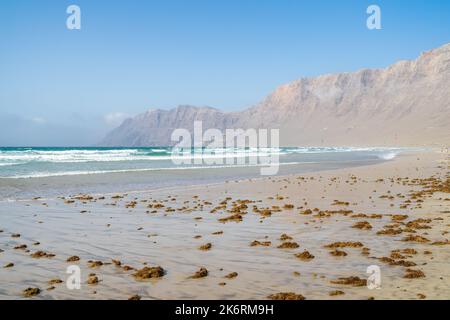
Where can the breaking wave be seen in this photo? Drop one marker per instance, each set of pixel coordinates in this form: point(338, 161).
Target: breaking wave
point(45, 162)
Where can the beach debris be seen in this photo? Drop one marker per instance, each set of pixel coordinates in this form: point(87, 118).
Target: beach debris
point(408, 251)
point(412, 274)
point(340, 203)
point(399, 217)
point(83, 197)
point(231, 275)
point(127, 268)
point(92, 279)
point(260, 243)
point(201, 273)
point(30, 292)
point(353, 281)
point(9, 265)
point(131, 204)
point(336, 293)
point(42, 254)
point(54, 281)
point(234, 217)
point(286, 296)
point(370, 216)
point(389, 231)
point(135, 297)
point(364, 225)
point(285, 237)
point(264, 212)
point(419, 224)
point(344, 244)
point(288, 245)
point(205, 247)
point(395, 254)
point(73, 259)
point(393, 262)
point(416, 239)
point(95, 263)
point(440, 243)
point(117, 263)
point(305, 256)
point(149, 273)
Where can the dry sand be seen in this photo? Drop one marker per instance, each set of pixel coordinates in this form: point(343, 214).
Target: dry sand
point(214, 226)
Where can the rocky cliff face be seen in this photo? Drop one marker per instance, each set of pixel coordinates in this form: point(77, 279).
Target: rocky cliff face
point(154, 127)
point(407, 103)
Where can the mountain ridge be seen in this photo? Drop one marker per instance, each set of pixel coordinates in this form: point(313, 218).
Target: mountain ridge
point(406, 103)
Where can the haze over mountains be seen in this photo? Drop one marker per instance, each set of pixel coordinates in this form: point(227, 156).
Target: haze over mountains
point(405, 104)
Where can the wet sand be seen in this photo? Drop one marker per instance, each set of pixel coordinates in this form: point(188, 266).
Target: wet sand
point(256, 238)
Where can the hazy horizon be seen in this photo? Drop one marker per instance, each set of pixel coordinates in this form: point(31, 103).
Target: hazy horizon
point(65, 87)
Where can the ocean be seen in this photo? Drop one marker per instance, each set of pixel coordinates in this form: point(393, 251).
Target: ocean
point(54, 171)
point(46, 162)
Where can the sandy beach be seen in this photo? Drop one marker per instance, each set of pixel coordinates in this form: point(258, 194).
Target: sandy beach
point(312, 235)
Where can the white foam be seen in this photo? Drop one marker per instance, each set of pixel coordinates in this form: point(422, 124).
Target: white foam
point(29, 156)
point(388, 156)
point(113, 155)
point(75, 173)
point(117, 155)
point(7, 164)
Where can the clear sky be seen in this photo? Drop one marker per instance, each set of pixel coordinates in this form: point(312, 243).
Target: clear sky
point(69, 87)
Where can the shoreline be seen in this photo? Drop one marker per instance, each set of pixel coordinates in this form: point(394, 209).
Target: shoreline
point(166, 228)
point(143, 180)
point(364, 163)
point(355, 164)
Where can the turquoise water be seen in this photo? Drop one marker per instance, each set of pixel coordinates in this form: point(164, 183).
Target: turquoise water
point(16, 163)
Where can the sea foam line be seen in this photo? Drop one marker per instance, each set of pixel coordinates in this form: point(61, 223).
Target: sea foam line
point(75, 173)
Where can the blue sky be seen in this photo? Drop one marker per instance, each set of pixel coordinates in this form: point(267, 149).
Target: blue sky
point(69, 87)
